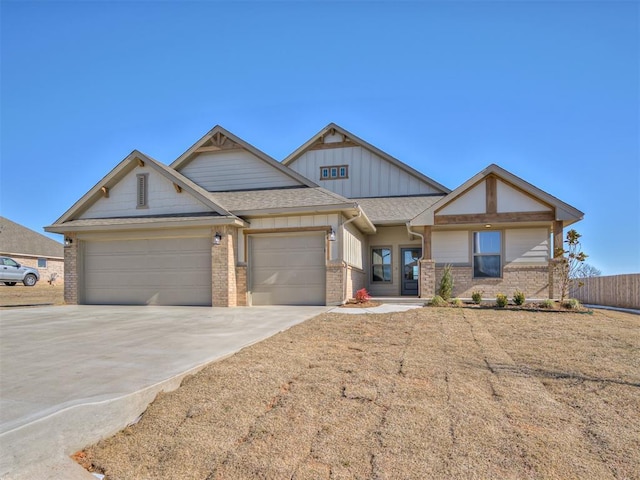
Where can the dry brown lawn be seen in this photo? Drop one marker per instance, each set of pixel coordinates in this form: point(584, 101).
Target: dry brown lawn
point(40, 294)
point(439, 393)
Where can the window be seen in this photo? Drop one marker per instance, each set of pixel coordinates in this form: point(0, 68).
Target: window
point(487, 259)
point(42, 263)
point(142, 181)
point(334, 172)
point(381, 264)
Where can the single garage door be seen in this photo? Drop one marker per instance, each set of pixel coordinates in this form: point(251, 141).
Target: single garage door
point(287, 270)
point(175, 271)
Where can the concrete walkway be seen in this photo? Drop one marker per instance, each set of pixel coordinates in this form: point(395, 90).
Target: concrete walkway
point(72, 375)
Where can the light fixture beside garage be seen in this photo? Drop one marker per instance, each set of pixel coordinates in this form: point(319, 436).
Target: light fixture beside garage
point(68, 241)
point(332, 235)
point(217, 238)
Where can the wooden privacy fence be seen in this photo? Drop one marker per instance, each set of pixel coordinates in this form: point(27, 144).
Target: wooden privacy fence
point(615, 291)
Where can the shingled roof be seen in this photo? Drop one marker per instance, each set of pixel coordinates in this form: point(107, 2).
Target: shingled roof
point(394, 210)
point(18, 240)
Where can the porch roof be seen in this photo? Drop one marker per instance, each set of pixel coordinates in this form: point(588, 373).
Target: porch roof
point(396, 210)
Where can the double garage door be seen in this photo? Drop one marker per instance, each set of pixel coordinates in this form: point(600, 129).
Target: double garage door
point(162, 271)
point(287, 270)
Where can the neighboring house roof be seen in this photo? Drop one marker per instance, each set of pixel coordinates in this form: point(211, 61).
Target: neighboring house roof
point(215, 139)
point(288, 200)
point(16, 239)
point(563, 211)
point(394, 210)
point(356, 141)
point(120, 171)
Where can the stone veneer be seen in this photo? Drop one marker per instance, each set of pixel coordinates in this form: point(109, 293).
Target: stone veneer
point(427, 278)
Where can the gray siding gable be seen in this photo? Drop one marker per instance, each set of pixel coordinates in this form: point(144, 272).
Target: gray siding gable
point(234, 170)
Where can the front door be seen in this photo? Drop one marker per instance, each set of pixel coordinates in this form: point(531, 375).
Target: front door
point(410, 270)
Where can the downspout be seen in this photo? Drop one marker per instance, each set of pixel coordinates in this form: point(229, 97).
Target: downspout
point(411, 232)
point(344, 280)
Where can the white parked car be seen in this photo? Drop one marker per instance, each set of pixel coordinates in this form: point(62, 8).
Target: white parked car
point(11, 272)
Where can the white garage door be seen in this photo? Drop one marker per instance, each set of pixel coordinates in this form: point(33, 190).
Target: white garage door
point(287, 270)
point(174, 271)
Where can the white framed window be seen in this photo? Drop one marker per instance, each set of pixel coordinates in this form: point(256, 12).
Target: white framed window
point(487, 254)
point(381, 264)
point(142, 181)
point(42, 263)
point(335, 172)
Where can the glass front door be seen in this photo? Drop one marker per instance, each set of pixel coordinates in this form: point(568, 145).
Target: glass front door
point(410, 270)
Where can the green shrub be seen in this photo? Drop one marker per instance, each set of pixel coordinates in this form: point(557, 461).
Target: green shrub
point(476, 297)
point(438, 301)
point(501, 300)
point(446, 283)
point(518, 297)
point(456, 302)
point(571, 304)
point(548, 303)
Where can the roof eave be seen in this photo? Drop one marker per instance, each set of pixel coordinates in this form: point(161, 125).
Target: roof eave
point(161, 223)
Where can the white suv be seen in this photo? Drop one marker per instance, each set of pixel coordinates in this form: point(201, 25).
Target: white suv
point(11, 272)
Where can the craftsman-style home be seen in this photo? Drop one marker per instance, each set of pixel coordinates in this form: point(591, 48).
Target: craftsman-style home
point(225, 224)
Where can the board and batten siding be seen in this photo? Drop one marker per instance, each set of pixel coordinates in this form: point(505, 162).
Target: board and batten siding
point(527, 246)
point(353, 247)
point(234, 170)
point(451, 247)
point(293, 221)
point(162, 198)
point(369, 174)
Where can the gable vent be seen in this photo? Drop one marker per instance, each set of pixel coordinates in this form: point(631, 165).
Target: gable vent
point(142, 182)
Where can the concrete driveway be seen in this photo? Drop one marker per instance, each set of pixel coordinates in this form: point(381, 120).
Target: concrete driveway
point(72, 375)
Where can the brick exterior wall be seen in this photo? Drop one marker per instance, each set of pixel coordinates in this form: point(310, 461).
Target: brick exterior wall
point(427, 278)
point(241, 285)
point(533, 281)
point(555, 276)
point(71, 270)
point(54, 265)
point(335, 283)
point(356, 279)
point(223, 267)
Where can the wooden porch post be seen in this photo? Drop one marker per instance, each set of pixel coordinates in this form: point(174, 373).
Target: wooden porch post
point(557, 239)
point(426, 253)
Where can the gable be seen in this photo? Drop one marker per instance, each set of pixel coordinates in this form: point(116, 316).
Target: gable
point(236, 169)
point(163, 198)
point(360, 169)
point(221, 161)
point(507, 199)
point(496, 196)
point(116, 195)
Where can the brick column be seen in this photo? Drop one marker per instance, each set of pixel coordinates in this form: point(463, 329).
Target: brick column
point(71, 270)
point(556, 267)
point(223, 267)
point(241, 285)
point(335, 293)
point(427, 278)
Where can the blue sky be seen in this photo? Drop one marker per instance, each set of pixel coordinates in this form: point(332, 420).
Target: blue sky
point(548, 90)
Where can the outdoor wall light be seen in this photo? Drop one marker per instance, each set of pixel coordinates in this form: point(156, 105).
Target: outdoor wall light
point(217, 238)
point(332, 235)
point(68, 241)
